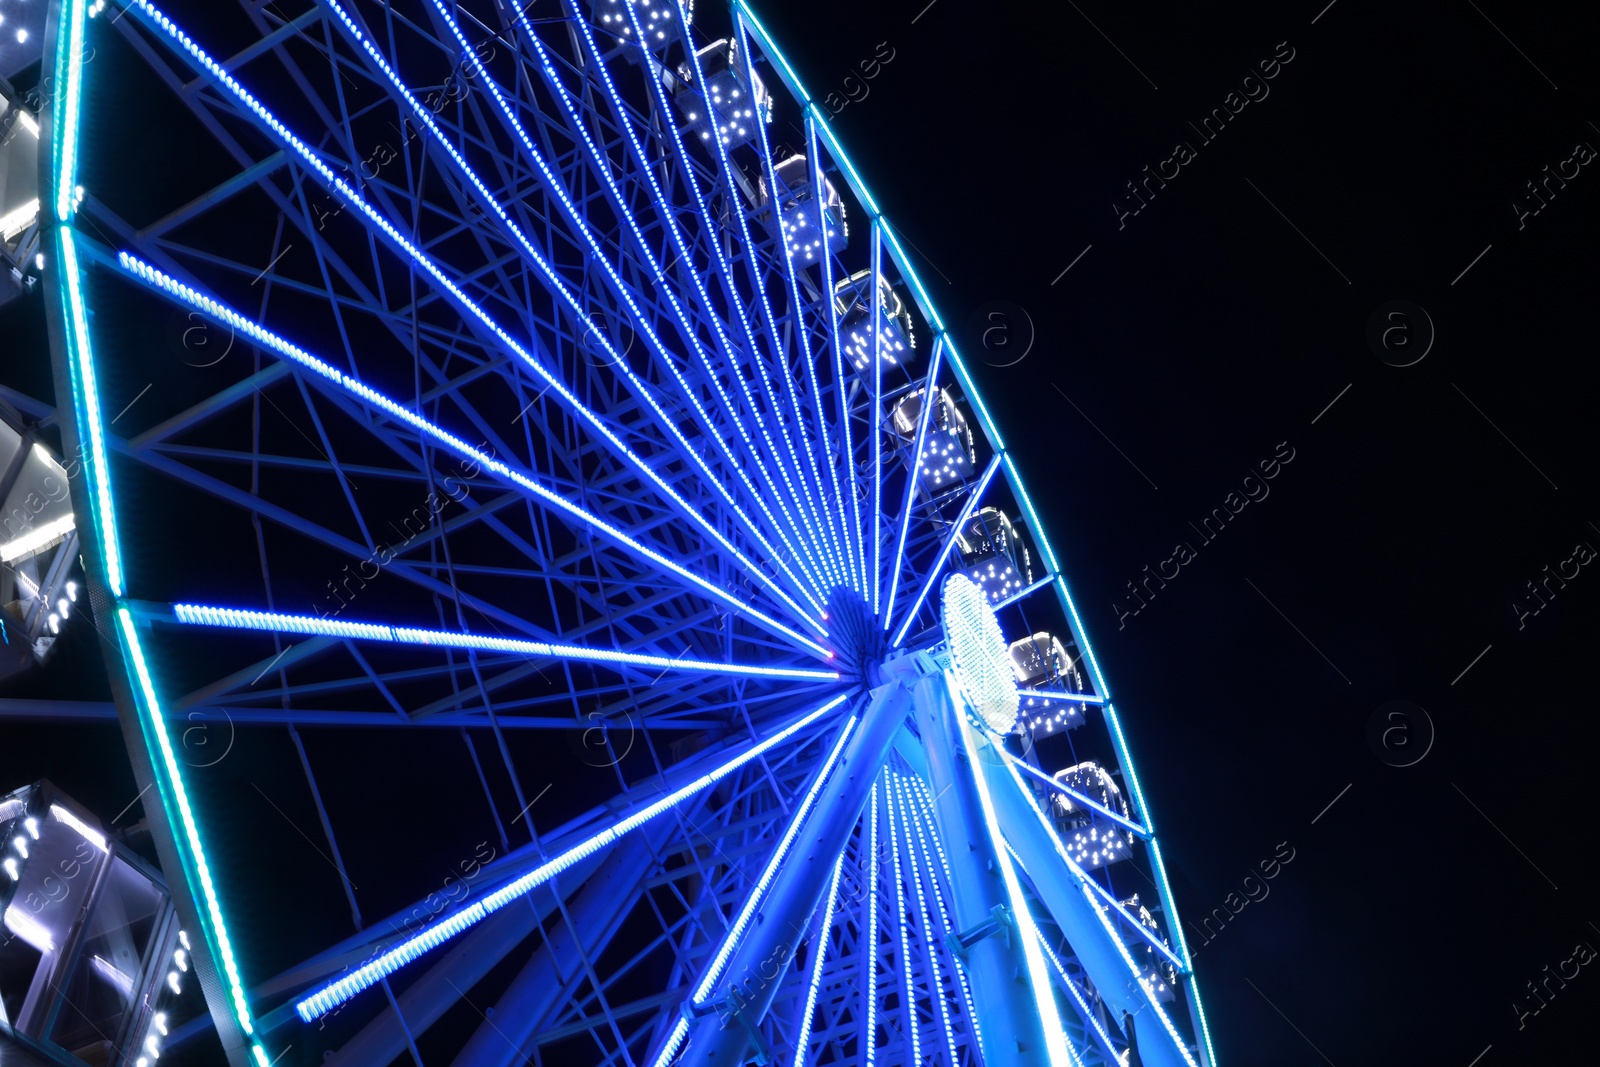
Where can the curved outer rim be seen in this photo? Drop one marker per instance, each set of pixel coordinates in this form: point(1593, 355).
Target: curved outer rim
point(139, 711)
point(991, 433)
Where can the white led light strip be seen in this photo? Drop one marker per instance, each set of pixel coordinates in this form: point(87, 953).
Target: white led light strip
point(274, 622)
point(336, 993)
point(908, 1002)
point(919, 813)
point(935, 981)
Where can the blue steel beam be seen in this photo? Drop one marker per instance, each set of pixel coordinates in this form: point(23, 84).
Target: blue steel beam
point(952, 535)
point(930, 385)
point(764, 304)
point(471, 310)
point(1013, 1028)
point(557, 285)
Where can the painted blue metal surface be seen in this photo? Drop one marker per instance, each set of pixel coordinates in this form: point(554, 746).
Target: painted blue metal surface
point(566, 315)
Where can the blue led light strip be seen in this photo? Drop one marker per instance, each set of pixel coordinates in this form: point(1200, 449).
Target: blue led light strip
point(870, 1035)
point(949, 543)
point(802, 1044)
point(1090, 1016)
point(922, 809)
point(840, 391)
point(400, 241)
point(335, 993)
point(670, 224)
point(791, 275)
point(1090, 889)
point(929, 401)
point(164, 283)
point(935, 981)
point(1080, 798)
point(877, 416)
point(727, 169)
point(425, 117)
point(277, 622)
point(730, 939)
point(909, 1001)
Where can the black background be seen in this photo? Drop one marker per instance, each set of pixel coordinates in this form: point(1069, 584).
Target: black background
point(1181, 349)
point(1200, 335)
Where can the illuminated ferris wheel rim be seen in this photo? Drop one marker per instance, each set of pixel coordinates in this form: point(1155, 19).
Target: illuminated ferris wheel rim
point(803, 627)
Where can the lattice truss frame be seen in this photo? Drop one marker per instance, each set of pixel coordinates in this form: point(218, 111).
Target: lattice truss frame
point(500, 265)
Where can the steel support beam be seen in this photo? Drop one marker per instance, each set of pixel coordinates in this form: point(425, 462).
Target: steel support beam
point(798, 885)
point(505, 1038)
point(1013, 1033)
point(449, 980)
point(1084, 921)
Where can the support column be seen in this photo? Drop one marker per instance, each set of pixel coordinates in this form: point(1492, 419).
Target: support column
point(720, 1038)
point(443, 985)
point(503, 1040)
point(1089, 929)
point(1013, 1033)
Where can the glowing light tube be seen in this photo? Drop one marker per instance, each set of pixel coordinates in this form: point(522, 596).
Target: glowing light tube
point(35, 538)
point(335, 993)
point(871, 1035)
point(1080, 798)
point(935, 981)
point(949, 543)
point(94, 836)
point(276, 622)
point(802, 1044)
point(29, 929)
point(165, 283)
point(909, 1003)
point(752, 902)
point(432, 269)
point(425, 117)
point(929, 402)
point(1038, 978)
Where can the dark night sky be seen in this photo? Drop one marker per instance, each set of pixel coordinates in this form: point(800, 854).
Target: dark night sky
point(1224, 323)
point(1387, 556)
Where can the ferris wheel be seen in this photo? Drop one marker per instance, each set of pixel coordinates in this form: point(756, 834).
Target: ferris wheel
point(484, 395)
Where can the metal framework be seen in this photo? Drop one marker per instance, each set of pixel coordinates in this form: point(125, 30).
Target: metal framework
point(565, 369)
